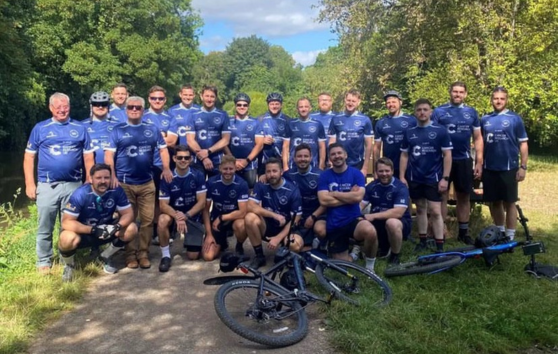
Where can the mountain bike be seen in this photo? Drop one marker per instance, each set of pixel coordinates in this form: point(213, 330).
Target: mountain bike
point(490, 244)
point(268, 311)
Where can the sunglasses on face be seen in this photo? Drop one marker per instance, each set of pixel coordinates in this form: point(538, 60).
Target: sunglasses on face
point(99, 204)
point(185, 158)
point(134, 108)
point(156, 98)
point(100, 104)
point(242, 105)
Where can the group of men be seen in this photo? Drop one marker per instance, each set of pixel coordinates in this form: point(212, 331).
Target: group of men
point(195, 172)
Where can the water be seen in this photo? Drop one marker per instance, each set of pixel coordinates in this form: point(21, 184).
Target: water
point(11, 178)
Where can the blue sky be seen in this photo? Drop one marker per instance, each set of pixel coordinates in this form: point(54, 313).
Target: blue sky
point(289, 23)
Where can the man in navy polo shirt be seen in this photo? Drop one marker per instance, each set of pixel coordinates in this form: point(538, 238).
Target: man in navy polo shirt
point(271, 208)
point(130, 155)
point(340, 190)
point(426, 152)
point(63, 146)
point(389, 209)
point(227, 199)
point(505, 139)
point(353, 130)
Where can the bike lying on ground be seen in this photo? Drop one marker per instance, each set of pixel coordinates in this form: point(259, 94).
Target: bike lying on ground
point(271, 312)
point(490, 244)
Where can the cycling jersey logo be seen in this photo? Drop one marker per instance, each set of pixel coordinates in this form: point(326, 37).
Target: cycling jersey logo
point(249, 127)
point(313, 184)
point(432, 135)
point(55, 150)
point(467, 116)
point(416, 151)
point(386, 126)
point(232, 194)
point(388, 196)
point(132, 151)
point(179, 202)
point(375, 195)
point(127, 135)
point(235, 141)
point(295, 129)
point(203, 134)
point(343, 136)
point(333, 187)
point(404, 124)
point(217, 120)
point(413, 137)
point(283, 200)
point(193, 184)
point(339, 122)
point(280, 127)
point(109, 203)
point(147, 133)
point(312, 129)
point(490, 138)
point(182, 131)
point(389, 139)
point(110, 128)
point(216, 192)
point(165, 123)
point(51, 135)
point(29, 145)
point(451, 128)
point(357, 123)
point(175, 188)
point(506, 123)
point(90, 130)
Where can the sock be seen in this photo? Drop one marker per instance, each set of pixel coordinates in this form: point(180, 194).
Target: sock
point(510, 233)
point(422, 238)
point(154, 230)
point(259, 251)
point(68, 260)
point(463, 229)
point(109, 251)
point(439, 245)
point(501, 227)
point(239, 247)
point(370, 262)
point(165, 251)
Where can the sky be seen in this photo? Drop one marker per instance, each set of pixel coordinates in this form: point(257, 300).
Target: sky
point(289, 23)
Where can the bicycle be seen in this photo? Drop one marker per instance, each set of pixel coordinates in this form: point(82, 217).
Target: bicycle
point(490, 244)
point(272, 313)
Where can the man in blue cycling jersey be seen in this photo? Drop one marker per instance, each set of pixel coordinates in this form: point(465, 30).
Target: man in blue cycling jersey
point(208, 133)
point(389, 130)
point(426, 152)
point(324, 112)
point(305, 177)
point(63, 147)
point(88, 221)
point(462, 123)
point(182, 201)
point(305, 130)
point(271, 207)
point(389, 203)
point(505, 139)
point(275, 125)
point(353, 130)
point(182, 112)
point(100, 124)
point(246, 140)
point(130, 154)
point(119, 96)
point(227, 199)
point(340, 190)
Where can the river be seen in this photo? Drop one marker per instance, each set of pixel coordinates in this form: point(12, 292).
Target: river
point(11, 178)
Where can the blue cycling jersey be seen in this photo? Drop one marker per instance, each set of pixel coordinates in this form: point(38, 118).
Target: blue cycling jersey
point(182, 191)
point(278, 128)
point(307, 184)
point(209, 127)
point(351, 132)
point(243, 138)
point(460, 121)
point(308, 132)
point(165, 123)
point(325, 119)
point(118, 113)
point(226, 197)
point(181, 117)
point(332, 181)
point(390, 130)
point(134, 147)
point(382, 197)
point(92, 209)
point(60, 148)
point(99, 133)
point(425, 146)
point(502, 133)
point(284, 200)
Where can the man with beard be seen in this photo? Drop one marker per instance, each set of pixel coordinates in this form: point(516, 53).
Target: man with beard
point(271, 208)
point(87, 221)
point(462, 123)
point(228, 194)
point(324, 114)
point(340, 190)
point(119, 96)
point(389, 209)
point(389, 130)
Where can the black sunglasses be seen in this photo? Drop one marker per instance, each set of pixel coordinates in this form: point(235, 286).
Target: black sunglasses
point(183, 157)
point(242, 105)
point(134, 107)
point(100, 104)
point(156, 98)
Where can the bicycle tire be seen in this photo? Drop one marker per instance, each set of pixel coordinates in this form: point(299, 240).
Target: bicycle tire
point(235, 304)
point(425, 266)
point(369, 287)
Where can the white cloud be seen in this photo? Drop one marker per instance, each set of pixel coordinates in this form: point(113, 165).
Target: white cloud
point(263, 18)
point(307, 58)
point(214, 42)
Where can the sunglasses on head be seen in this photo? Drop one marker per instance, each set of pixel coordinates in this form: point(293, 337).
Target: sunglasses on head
point(156, 98)
point(134, 107)
point(99, 204)
point(100, 104)
point(242, 104)
point(186, 158)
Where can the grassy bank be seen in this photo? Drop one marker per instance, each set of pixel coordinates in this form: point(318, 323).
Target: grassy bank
point(470, 309)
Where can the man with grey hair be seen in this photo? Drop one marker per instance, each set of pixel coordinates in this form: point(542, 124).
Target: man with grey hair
point(133, 146)
point(63, 147)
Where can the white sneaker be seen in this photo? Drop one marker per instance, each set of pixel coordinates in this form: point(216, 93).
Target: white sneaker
point(355, 253)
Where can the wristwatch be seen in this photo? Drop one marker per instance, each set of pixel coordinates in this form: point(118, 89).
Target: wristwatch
point(523, 167)
point(248, 160)
point(446, 178)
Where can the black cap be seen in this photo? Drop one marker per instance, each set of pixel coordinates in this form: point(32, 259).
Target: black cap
point(392, 93)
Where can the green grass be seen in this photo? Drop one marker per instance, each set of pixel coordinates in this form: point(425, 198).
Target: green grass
point(471, 308)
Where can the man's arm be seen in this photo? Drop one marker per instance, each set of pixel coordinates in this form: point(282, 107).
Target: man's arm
point(367, 153)
point(479, 152)
point(393, 213)
point(524, 153)
point(109, 160)
point(165, 158)
point(256, 208)
point(192, 143)
point(70, 223)
point(126, 216)
point(29, 173)
point(447, 162)
point(237, 214)
point(403, 161)
point(207, 219)
point(321, 154)
point(377, 150)
point(352, 197)
point(88, 161)
point(171, 139)
point(224, 141)
point(200, 204)
point(286, 153)
point(327, 200)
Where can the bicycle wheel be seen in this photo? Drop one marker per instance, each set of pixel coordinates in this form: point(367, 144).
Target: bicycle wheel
point(353, 283)
point(420, 266)
point(270, 320)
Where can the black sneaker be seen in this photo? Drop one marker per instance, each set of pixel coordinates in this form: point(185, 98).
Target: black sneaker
point(383, 253)
point(239, 249)
point(421, 247)
point(466, 240)
point(257, 262)
point(165, 264)
point(393, 260)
